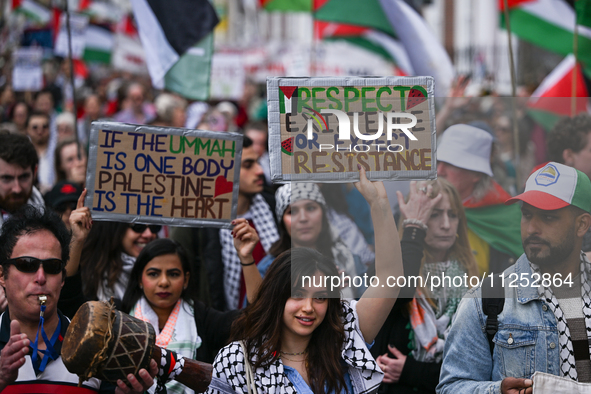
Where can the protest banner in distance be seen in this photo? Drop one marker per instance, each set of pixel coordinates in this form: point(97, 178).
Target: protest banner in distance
point(320, 129)
point(27, 73)
point(159, 175)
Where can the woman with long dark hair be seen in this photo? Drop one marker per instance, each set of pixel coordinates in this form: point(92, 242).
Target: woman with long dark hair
point(161, 291)
point(298, 335)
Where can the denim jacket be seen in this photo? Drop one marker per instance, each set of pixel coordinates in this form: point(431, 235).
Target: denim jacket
point(526, 340)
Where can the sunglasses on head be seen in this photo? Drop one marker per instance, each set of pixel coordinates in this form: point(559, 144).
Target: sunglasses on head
point(140, 228)
point(31, 265)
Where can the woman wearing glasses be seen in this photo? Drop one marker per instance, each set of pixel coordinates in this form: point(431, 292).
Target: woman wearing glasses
point(108, 256)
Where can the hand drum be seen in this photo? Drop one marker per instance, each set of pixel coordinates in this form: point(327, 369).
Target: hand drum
point(108, 344)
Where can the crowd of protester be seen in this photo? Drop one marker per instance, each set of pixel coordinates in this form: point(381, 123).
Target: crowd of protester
point(193, 283)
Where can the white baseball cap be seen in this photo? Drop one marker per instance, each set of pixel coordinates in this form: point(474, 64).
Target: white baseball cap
point(466, 147)
point(556, 186)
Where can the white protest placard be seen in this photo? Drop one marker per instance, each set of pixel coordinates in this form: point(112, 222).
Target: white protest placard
point(78, 24)
point(27, 74)
point(163, 175)
point(321, 129)
point(227, 76)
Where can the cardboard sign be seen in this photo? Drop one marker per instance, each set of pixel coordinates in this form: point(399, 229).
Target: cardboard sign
point(27, 74)
point(320, 129)
point(159, 175)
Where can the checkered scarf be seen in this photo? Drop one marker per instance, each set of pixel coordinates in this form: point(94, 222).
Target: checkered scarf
point(567, 354)
point(229, 374)
point(267, 230)
point(296, 191)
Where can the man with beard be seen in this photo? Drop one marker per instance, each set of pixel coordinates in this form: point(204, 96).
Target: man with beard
point(18, 168)
point(545, 322)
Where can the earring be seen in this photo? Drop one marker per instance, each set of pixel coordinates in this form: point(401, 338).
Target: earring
point(141, 287)
point(184, 287)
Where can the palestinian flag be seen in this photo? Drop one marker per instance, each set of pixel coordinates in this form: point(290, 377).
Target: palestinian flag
point(553, 98)
point(367, 13)
point(550, 24)
point(496, 223)
point(372, 40)
point(99, 44)
point(407, 29)
point(287, 5)
point(169, 30)
point(100, 11)
point(389, 27)
point(583, 10)
point(32, 11)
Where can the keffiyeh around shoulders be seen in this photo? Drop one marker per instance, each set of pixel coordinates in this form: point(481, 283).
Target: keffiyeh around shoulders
point(229, 375)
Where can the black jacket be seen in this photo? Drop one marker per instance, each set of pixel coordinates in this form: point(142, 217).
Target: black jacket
point(416, 377)
point(213, 327)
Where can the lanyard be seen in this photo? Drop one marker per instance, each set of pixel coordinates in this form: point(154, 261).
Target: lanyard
point(50, 351)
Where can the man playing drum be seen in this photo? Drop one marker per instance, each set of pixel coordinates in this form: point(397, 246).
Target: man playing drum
point(34, 249)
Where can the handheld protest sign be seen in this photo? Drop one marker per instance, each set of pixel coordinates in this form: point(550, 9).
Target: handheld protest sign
point(160, 175)
point(321, 128)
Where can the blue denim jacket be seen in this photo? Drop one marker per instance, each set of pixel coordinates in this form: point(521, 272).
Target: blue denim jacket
point(526, 341)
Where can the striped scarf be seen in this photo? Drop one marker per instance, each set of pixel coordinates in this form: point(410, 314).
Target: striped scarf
point(179, 334)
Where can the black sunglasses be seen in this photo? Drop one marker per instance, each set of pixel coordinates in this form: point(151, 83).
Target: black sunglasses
point(36, 127)
point(31, 265)
point(140, 228)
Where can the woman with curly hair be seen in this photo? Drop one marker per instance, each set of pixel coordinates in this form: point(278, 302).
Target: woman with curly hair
point(298, 335)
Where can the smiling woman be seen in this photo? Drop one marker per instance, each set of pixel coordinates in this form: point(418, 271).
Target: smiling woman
point(298, 337)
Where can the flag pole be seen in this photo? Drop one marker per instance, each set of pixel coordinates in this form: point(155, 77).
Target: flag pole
point(71, 61)
point(513, 93)
point(573, 102)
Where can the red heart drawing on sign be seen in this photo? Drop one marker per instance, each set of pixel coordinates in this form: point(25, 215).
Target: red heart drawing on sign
point(222, 186)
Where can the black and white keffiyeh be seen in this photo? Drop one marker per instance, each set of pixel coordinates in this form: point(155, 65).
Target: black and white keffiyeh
point(229, 374)
point(262, 217)
point(296, 191)
point(567, 354)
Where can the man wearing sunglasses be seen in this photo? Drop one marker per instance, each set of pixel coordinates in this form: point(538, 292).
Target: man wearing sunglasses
point(34, 247)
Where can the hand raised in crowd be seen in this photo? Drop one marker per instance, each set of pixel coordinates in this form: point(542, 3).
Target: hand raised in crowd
point(420, 204)
point(517, 386)
point(81, 224)
point(373, 192)
point(392, 367)
point(80, 219)
point(137, 386)
point(12, 357)
point(245, 239)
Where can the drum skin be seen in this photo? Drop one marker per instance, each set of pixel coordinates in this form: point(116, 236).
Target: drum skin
point(127, 342)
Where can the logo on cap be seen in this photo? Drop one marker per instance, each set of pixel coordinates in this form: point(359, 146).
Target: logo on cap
point(68, 189)
point(547, 176)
